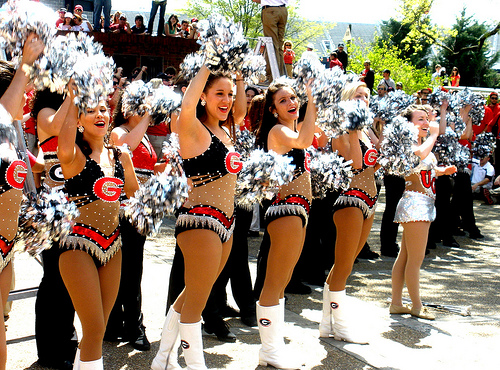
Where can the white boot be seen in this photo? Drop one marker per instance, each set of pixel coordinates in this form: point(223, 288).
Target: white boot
point(342, 326)
point(92, 365)
point(76, 363)
point(166, 358)
point(273, 351)
point(192, 345)
point(325, 327)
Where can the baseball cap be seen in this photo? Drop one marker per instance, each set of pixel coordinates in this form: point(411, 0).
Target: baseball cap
point(79, 7)
point(68, 15)
point(310, 46)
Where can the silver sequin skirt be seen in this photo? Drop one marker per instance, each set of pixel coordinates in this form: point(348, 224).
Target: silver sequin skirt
point(415, 206)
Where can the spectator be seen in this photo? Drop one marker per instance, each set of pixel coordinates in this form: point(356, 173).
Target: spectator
point(68, 22)
point(171, 26)
point(139, 73)
point(194, 29)
point(309, 53)
point(342, 55)
point(185, 30)
point(387, 81)
point(381, 91)
point(399, 86)
point(274, 17)
point(138, 28)
point(288, 58)
point(437, 74)
point(78, 10)
point(482, 177)
point(368, 75)
point(491, 195)
point(87, 27)
point(116, 17)
point(334, 61)
point(155, 4)
point(122, 27)
point(455, 77)
point(422, 95)
point(98, 9)
point(77, 23)
point(60, 20)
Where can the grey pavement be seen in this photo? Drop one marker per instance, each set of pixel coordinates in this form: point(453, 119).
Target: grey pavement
point(469, 275)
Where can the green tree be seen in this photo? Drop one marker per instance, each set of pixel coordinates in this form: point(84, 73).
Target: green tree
point(473, 64)
point(298, 30)
point(385, 56)
point(394, 33)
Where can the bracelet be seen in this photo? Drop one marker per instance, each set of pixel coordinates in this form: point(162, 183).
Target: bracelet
point(239, 79)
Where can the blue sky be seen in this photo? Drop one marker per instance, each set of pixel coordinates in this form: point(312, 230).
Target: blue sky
point(360, 11)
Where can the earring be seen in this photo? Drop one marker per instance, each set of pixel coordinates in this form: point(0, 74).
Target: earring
point(203, 103)
point(81, 129)
point(275, 114)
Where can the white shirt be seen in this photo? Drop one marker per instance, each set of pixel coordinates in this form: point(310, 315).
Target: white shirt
point(273, 2)
point(479, 173)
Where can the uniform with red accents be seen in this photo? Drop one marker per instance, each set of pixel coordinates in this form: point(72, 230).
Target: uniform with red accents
point(362, 192)
point(417, 202)
point(210, 204)
point(54, 178)
point(294, 198)
point(98, 199)
point(12, 176)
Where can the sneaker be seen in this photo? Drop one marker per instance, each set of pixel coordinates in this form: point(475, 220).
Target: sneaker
point(487, 197)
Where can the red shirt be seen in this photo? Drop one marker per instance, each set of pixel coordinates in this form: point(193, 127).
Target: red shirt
point(336, 62)
point(158, 130)
point(288, 56)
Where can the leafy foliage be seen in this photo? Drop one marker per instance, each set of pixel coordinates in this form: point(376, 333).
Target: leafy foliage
point(474, 65)
point(383, 56)
point(394, 33)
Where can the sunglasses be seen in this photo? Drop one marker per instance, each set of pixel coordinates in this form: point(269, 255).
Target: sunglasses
point(381, 88)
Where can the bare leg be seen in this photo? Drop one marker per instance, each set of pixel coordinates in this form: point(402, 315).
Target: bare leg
point(204, 259)
point(398, 273)
point(83, 281)
point(349, 223)
point(5, 280)
point(287, 238)
point(416, 240)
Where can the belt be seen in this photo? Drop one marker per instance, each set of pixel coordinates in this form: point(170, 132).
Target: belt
point(273, 6)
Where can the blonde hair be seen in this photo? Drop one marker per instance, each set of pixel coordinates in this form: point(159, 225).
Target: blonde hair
point(350, 90)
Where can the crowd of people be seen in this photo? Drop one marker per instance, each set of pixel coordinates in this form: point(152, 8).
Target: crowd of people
point(100, 155)
point(104, 21)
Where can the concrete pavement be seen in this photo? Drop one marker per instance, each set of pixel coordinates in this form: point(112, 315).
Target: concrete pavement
point(468, 275)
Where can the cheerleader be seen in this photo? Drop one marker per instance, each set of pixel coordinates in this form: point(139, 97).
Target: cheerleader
point(90, 263)
point(205, 222)
point(126, 319)
point(354, 211)
point(13, 170)
point(415, 211)
point(288, 214)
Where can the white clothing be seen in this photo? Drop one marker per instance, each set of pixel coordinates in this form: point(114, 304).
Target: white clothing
point(273, 2)
point(479, 173)
point(387, 83)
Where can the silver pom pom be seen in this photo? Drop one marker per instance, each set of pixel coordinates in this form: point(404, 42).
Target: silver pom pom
point(49, 217)
point(483, 145)
point(329, 172)
point(449, 151)
point(396, 150)
point(391, 105)
point(261, 176)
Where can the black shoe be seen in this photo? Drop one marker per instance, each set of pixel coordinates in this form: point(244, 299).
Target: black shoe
point(427, 251)
point(249, 319)
point(390, 252)
point(368, 254)
point(228, 311)
point(431, 244)
point(458, 232)
point(450, 242)
point(140, 342)
point(55, 364)
point(298, 288)
point(476, 234)
point(221, 330)
point(110, 336)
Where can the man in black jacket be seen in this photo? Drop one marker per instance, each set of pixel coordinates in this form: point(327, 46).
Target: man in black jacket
point(368, 75)
point(342, 56)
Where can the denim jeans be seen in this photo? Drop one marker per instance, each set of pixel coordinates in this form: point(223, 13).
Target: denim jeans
point(152, 15)
point(98, 5)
